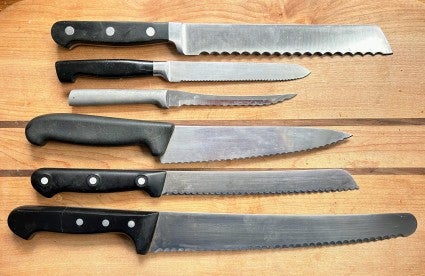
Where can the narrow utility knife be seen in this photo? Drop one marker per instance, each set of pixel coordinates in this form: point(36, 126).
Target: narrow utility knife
point(167, 231)
point(176, 144)
point(195, 38)
point(176, 71)
point(50, 181)
point(166, 98)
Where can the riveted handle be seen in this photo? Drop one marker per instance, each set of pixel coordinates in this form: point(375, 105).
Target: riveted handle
point(99, 131)
point(24, 221)
point(50, 181)
point(72, 33)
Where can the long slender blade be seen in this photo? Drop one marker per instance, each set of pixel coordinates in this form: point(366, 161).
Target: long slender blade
point(176, 71)
point(210, 143)
point(194, 39)
point(257, 182)
point(198, 232)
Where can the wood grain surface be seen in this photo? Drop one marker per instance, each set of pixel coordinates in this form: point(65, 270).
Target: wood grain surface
point(379, 99)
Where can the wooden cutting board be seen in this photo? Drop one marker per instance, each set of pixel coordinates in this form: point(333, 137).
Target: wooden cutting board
point(379, 99)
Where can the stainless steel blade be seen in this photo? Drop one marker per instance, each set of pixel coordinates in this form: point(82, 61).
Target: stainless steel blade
point(166, 98)
point(209, 143)
point(257, 182)
point(194, 39)
point(176, 71)
point(199, 232)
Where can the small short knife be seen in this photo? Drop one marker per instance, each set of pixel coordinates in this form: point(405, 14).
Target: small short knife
point(196, 38)
point(50, 181)
point(176, 71)
point(169, 231)
point(177, 144)
point(166, 98)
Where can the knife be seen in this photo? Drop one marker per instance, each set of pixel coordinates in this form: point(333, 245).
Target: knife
point(50, 181)
point(176, 71)
point(168, 231)
point(195, 38)
point(166, 98)
point(177, 144)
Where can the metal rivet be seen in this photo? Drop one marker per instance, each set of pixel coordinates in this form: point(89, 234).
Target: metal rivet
point(44, 180)
point(92, 180)
point(150, 31)
point(131, 223)
point(105, 223)
point(69, 30)
point(79, 221)
point(110, 31)
point(140, 181)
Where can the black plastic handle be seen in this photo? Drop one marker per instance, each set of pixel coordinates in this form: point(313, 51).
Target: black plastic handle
point(99, 131)
point(49, 181)
point(71, 33)
point(24, 221)
point(69, 70)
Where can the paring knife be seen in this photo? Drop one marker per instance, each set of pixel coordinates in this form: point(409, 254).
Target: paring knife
point(50, 181)
point(176, 71)
point(167, 231)
point(177, 144)
point(166, 98)
point(195, 38)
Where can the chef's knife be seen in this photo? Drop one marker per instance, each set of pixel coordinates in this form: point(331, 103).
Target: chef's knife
point(166, 98)
point(195, 38)
point(167, 231)
point(50, 181)
point(177, 144)
point(176, 71)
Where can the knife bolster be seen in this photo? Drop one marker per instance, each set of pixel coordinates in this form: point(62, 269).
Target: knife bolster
point(24, 221)
point(72, 33)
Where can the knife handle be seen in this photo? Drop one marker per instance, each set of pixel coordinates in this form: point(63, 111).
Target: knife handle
point(71, 33)
point(24, 221)
point(100, 131)
point(68, 70)
point(49, 181)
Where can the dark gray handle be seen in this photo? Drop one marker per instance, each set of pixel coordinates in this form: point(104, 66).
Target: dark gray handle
point(100, 131)
point(71, 33)
point(69, 70)
point(50, 181)
point(139, 226)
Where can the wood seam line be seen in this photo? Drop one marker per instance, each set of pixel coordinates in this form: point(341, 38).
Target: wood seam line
point(286, 122)
point(353, 171)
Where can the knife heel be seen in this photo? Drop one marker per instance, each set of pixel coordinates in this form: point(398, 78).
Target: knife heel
point(71, 33)
point(50, 181)
point(69, 70)
point(24, 221)
point(101, 131)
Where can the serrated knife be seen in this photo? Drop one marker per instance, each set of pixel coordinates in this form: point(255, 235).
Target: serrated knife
point(196, 38)
point(176, 144)
point(177, 71)
point(166, 98)
point(167, 231)
point(50, 181)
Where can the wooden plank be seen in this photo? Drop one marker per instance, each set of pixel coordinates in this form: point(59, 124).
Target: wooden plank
point(370, 146)
point(109, 253)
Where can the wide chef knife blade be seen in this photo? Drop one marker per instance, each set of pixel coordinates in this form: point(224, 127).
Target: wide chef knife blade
point(195, 38)
point(177, 144)
point(166, 98)
point(177, 71)
point(166, 231)
point(50, 181)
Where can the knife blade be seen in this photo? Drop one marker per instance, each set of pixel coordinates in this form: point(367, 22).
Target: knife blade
point(50, 181)
point(166, 98)
point(195, 38)
point(168, 231)
point(177, 71)
point(179, 144)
